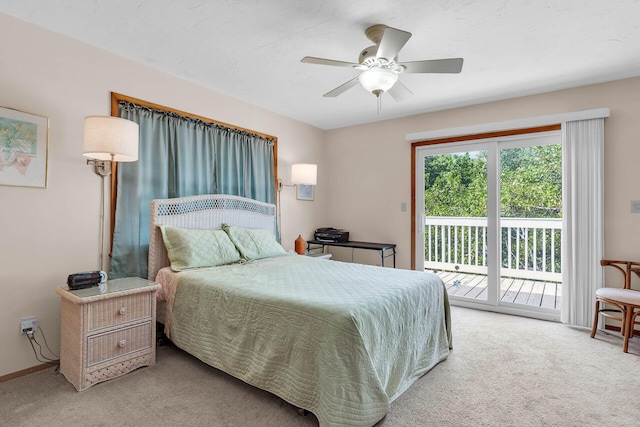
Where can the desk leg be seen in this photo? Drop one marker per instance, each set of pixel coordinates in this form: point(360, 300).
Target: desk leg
point(321, 247)
point(383, 256)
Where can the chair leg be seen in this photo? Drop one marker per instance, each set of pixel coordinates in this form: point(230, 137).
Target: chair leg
point(628, 330)
point(595, 319)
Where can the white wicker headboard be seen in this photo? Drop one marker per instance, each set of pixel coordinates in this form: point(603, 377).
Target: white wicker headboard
point(204, 211)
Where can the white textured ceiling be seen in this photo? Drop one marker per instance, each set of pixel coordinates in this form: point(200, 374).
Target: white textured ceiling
point(251, 50)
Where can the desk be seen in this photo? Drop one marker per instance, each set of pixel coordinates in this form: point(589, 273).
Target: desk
point(380, 247)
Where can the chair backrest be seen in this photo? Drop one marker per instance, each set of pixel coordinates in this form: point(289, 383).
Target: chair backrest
point(625, 267)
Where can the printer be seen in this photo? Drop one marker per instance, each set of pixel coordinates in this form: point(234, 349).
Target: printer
point(330, 234)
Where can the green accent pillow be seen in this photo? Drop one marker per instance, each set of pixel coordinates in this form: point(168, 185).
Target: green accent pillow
point(254, 243)
point(193, 248)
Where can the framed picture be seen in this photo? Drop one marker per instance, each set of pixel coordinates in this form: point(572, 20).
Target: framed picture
point(24, 145)
point(304, 192)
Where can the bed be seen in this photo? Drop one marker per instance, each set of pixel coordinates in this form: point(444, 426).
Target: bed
point(340, 340)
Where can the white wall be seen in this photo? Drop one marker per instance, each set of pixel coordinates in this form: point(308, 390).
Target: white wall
point(48, 233)
point(371, 165)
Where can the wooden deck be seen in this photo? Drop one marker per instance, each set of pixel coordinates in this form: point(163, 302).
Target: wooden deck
point(519, 291)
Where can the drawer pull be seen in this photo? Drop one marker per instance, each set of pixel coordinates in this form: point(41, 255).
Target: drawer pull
point(122, 343)
point(123, 310)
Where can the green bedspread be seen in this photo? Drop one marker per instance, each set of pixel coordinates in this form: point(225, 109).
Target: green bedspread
point(341, 340)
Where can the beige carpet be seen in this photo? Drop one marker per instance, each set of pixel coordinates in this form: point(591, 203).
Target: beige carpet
point(503, 371)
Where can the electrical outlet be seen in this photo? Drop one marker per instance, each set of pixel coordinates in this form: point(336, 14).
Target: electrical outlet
point(28, 323)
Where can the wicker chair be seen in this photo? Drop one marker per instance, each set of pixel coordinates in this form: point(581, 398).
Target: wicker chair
point(626, 301)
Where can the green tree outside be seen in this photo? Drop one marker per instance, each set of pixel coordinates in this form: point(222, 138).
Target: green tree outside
point(531, 183)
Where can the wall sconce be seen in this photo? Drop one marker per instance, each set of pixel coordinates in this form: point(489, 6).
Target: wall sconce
point(109, 139)
point(304, 173)
point(301, 173)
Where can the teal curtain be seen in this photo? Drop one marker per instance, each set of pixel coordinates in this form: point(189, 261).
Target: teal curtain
point(179, 157)
point(246, 166)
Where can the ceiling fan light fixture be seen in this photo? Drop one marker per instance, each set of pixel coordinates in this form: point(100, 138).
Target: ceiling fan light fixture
point(378, 80)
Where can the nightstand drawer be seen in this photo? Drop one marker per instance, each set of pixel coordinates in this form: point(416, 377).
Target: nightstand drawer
point(104, 347)
point(115, 311)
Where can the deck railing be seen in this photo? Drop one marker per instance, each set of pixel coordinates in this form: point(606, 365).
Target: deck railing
point(530, 247)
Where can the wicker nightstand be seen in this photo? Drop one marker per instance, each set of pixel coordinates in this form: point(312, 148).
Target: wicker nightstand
point(107, 331)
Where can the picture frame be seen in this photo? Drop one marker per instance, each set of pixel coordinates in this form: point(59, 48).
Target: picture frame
point(24, 148)
point(305, 192)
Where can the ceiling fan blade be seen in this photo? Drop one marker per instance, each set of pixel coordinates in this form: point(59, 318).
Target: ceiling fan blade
point(322, 61)
point(399, 91)
point(392, 41)
point(342, 88)
point(452, 65)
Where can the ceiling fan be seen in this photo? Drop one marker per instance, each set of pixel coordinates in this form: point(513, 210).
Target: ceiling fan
point(380, 65)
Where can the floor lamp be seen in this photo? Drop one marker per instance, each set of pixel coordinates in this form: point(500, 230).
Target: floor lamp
point(106, 140)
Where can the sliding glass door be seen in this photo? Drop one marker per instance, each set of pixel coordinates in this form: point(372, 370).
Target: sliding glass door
point(453, 218)
point(531, 223)
point(489, 221)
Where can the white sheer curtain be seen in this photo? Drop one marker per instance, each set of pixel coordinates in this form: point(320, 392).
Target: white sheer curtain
point(583, 177)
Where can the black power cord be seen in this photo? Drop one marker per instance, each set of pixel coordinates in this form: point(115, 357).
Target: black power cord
point(47, 344)
point(32, 339)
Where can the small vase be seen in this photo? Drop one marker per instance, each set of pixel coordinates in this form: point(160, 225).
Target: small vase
point(300, 242)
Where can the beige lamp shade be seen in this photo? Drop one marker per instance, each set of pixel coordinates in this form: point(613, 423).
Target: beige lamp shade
point(110, 138)
point(304, 173)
